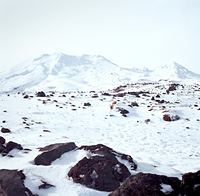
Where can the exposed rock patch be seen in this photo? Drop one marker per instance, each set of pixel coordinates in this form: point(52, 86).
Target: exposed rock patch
point(102, 170)
point(148, 185)
point(53, 152)
point(12, 183)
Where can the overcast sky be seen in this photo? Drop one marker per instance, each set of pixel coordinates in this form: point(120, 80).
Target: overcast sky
point(130, 33)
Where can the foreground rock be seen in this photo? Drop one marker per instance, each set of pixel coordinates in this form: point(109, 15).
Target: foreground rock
point(5, 148)
point(12, 183)
point(102, 170)
point(191, 184)
point(149, 185)
point(53, 152)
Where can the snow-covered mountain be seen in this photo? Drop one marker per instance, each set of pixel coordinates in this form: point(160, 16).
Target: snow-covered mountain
point(63, 72)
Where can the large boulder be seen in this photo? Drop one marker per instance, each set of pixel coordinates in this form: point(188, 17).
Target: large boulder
point(102, 170)
point(191, 184)
point(12, 183)
point(148, 185)
point(98, 172)
point(103, 150)
point(53, 152)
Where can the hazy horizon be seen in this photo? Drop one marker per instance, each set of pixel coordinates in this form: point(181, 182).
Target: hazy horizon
point(129, 33)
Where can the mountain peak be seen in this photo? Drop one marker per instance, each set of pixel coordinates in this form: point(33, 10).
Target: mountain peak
point(59, 71)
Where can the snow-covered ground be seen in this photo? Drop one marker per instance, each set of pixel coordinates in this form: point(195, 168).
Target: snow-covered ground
point(158, 146)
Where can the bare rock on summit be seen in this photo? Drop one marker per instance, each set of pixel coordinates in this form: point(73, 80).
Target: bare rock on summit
point(53, 152)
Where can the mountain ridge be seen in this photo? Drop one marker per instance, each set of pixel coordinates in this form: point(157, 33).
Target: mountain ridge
point(59, 71)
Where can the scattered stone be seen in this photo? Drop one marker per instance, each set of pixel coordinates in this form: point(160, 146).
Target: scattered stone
point(157, 96)
point(45, 185)
point(5, 130)
point(53, 152)
point(26, 97)
point(172, 87)
point(45, 130)
point(147, 121)
point(95, 96)
point(12, 183)
point(148, 185)
point(167, 117)
point(134, 104)
point(40, 94)
point(123, 111)
point(87, 104)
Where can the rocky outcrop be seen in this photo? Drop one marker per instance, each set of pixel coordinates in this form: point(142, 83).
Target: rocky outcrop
point(53, 152)
point(102, 170)
point(5, 148)
point(191, 184)
point(12, 183)
point(148, 185)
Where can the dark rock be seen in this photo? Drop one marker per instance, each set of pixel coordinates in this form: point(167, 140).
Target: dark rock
point(102, 170)
point(12, 145)
point(2, 149)
point(106, 94)
point(160, 101)
point(45, 185)
point(172, 87)
point(40, 94)
point(123, 111)
point(26, 97)
point(95, 96)
point(167, 117)
point(134, 104)
point(101, 173)
point(2, 140)
point(5, 130)
point(12, 183)
point(191, 184)
point(87, 104)
point(147, 120)
point(103, 150)
point(53, 152)
point(3, 121)
point(148, 185)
